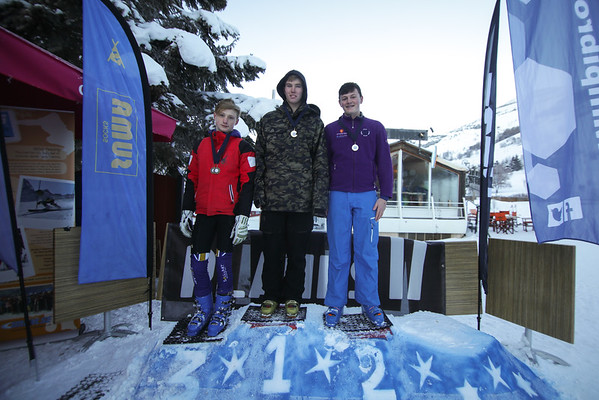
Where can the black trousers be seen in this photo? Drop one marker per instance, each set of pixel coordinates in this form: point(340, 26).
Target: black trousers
point(212, 230)
point(285, 235)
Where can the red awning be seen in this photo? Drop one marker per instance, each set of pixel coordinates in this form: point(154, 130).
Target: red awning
point(25, 62)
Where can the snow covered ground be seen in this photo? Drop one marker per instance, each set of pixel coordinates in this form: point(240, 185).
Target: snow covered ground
point(579, 380)
point(119, 364)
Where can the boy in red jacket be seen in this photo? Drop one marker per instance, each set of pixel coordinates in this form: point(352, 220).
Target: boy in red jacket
point(219, 189)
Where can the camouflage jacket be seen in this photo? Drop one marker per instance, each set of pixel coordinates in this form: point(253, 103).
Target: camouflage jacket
point(291, 172)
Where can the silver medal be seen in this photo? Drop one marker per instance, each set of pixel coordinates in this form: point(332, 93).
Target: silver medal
point(294, 133)
point(215, 170)
point(355, 147)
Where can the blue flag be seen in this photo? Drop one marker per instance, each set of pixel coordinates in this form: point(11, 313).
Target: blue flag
point(7, 239)
point(555, 51)
point(114, 230)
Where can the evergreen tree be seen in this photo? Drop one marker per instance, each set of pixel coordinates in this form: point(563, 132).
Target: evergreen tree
point(516, 163)
point(190, 93)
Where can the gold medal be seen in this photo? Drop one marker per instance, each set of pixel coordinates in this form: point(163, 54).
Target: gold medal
point(215, 170)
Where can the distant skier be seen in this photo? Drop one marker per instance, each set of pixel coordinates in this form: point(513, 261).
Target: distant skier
point(44, 199)
point(219, 189)
point(359, 165)
point(47, 203)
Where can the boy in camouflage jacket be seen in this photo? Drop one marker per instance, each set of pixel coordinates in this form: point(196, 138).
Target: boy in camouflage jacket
point(291, 187)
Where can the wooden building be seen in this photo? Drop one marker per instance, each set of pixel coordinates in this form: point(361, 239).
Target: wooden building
point(428, 196)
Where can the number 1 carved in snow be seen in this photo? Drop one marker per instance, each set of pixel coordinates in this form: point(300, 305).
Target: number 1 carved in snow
point(277, 384)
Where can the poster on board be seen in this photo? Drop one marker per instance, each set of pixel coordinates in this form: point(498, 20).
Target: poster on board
point(40, 149)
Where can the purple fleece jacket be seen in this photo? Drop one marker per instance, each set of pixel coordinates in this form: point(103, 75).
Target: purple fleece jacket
point(362, 170)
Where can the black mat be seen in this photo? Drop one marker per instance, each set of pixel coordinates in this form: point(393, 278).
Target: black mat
point(253, 315)
point(358, 323)
point(179, 334)
point(92, 387)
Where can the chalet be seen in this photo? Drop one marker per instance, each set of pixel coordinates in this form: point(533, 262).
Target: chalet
point(428, 196)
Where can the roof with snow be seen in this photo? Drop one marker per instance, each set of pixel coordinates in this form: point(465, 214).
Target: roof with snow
point(34, 77)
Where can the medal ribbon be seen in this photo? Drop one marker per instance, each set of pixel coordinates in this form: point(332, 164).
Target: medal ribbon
point(294, 122)
point(352, 134)
point(216, 156)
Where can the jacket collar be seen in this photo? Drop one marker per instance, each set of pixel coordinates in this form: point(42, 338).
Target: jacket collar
point(349, 119)
point(234, 133)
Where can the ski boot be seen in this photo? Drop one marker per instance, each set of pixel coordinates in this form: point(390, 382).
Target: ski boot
point(202, 315)
point(222, 311)
point(291, 308)
point(268, 308)
point(375, 315)
point(332, 316)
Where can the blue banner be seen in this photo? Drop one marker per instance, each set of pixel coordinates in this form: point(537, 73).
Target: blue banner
point(555, 51)
point(114, 234)
point(7, 239)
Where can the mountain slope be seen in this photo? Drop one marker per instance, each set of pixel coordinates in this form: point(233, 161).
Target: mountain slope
point(462, 146)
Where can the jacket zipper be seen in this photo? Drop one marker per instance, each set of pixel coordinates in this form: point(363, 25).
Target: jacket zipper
point(354, 158)
point(231, 195)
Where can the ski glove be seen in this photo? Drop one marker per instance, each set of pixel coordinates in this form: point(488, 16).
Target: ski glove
point(188, 219)
point(240, 229)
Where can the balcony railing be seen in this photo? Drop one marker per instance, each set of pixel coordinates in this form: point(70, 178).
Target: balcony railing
point(425, 210)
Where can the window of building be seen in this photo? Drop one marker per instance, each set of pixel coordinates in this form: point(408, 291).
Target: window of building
point(445, 186)
point(415, 185)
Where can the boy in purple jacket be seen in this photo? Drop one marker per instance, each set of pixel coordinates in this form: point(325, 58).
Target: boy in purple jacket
point(359, 160)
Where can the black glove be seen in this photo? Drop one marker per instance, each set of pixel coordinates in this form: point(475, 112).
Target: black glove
point(320, 212)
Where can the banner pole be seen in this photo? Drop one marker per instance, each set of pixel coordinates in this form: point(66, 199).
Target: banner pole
point(17, 243)
point(487, 147)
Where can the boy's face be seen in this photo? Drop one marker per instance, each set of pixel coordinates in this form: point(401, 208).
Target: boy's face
point(225, 120)
point(350, 102)
point(293, 92)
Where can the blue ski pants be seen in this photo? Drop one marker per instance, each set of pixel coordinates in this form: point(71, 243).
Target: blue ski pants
point(349, 211)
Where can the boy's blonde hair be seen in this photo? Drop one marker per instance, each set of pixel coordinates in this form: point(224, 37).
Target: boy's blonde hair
point(227, 104)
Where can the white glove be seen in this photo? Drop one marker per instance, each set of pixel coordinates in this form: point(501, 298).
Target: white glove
point(188, 219)
point(240, 229)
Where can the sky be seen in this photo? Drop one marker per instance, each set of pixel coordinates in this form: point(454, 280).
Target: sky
point(419, 63)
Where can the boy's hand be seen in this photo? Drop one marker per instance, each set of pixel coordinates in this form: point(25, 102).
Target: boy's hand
point(240, 230)
point(379, 208)
point(188, 219)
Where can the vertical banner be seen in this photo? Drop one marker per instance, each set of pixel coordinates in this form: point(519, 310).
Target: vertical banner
point(115, 239)
point(555, 51)
point(487, 142)
point(8, 254)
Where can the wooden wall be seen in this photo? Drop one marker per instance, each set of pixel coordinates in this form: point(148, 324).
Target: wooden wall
point(72, 300)
point(461, 278)
point(533, 285)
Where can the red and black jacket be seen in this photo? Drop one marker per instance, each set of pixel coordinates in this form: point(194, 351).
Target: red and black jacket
point(230, 191)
